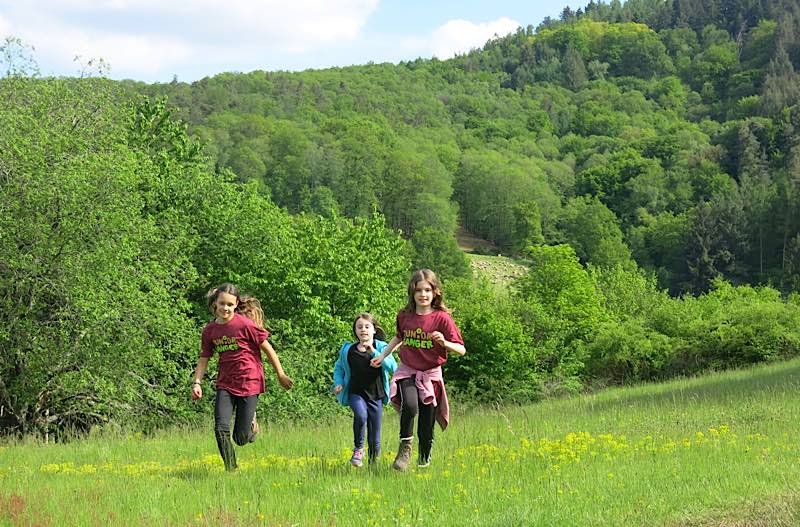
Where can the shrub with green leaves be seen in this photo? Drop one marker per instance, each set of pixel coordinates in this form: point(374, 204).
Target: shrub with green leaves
point(342, 268)
point(438, 249)
point(500, 363)
point(560, 306)
point(739, 326)
point(94, 263)
point(626, 351)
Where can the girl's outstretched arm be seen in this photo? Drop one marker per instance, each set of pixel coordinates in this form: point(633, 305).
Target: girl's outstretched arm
point(283, 379)
point(199, 371)
point(376, 362)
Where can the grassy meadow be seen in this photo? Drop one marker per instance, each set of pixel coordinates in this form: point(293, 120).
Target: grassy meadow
point(499, 270)
point(718, 450)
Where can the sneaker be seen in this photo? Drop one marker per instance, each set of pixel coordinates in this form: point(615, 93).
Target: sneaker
point(403, 456)
point(424, 462)
point(358, 457)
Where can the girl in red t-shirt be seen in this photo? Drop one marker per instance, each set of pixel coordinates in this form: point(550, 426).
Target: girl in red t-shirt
point(426, 332)
point(239, 341)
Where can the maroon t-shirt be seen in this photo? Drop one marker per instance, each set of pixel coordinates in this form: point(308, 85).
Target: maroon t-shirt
point(418, 349)
point(238, 343)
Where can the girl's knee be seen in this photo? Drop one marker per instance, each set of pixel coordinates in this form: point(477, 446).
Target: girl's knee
point(359, 412)
point(241, 439)
point(410, 409)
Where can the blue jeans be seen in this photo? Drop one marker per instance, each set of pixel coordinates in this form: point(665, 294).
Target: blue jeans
point(367, 414)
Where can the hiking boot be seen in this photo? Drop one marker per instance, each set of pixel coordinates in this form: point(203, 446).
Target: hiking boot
point(403, 456)
point(358, 456)
point(424, 461)
point(424, 458)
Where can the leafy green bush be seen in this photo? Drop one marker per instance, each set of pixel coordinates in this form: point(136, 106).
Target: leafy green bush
point(500, 363)
point(739, 326)
point(95, 267)
point(437, 249)
point(115, 227)
point(627, 292)
point(560, 306)
point(313, 275)
point(626, 351)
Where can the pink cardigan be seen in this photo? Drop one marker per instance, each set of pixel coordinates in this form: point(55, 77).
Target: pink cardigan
point(430, 384)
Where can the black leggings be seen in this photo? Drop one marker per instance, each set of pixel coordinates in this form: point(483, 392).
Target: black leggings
point(410, 407)
point(245, 408)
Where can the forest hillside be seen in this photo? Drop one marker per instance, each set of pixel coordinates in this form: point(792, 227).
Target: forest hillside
point(660, 133)
point(641, 159)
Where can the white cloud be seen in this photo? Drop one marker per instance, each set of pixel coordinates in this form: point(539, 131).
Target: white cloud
point(144, 37)
point(144, 55)
point(460, 36)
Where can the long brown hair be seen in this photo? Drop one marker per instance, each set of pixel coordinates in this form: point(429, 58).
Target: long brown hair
point(250, 307)
point(425, 275)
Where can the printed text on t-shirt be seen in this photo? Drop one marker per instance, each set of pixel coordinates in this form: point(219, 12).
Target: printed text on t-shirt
point(416, 338)
point(225, 343)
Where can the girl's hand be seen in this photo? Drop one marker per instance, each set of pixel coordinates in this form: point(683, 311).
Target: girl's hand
point(285, 381)
point(338, 389)
point(438, 338)
point(197, 392)
point(376, 362)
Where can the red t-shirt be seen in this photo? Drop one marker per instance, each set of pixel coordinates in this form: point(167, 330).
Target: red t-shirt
point(418, 350)
point(238, 343)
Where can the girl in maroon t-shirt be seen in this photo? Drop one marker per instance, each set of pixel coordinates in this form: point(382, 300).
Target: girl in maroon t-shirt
point(425, 333)
point(239, 341)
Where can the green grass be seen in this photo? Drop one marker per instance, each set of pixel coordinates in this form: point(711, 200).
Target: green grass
point(500, 270)
point(718, 450)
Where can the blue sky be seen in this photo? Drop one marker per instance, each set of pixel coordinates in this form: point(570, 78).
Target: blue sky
point(154, 40)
